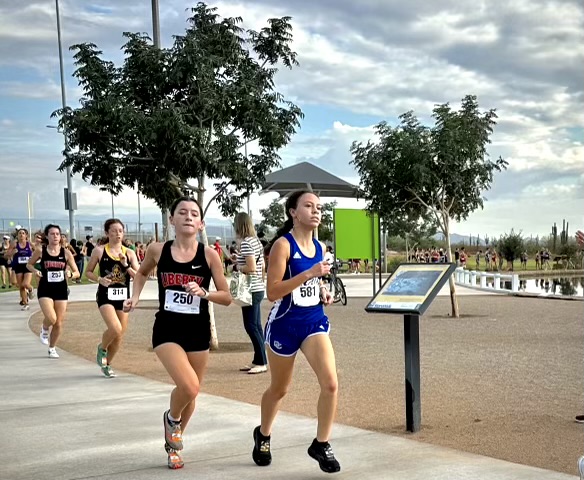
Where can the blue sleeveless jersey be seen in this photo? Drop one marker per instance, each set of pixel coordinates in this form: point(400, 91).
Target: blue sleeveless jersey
point(303, 305)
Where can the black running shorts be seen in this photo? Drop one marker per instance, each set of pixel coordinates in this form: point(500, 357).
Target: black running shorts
point(191, 334)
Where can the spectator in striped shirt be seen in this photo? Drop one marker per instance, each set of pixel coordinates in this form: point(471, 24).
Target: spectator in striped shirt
point(250, 260)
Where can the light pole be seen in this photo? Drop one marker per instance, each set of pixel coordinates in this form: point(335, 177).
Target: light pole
point(70, 197)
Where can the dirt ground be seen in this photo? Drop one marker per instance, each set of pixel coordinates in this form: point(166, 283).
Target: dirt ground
point(505, 380)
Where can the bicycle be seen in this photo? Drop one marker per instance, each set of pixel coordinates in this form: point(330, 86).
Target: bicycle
point(337, 287)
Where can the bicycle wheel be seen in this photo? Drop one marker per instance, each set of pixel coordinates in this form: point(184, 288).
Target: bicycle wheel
point(340, 293)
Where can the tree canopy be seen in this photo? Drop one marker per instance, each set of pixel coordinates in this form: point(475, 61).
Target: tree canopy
point(511, 246)
point(417, 172)
point(167, 116)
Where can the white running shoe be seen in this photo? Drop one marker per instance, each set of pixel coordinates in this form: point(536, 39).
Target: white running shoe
point(44, 336)
point(30, 294)
point(53, 353)
point(24, 308)
point(581, 467)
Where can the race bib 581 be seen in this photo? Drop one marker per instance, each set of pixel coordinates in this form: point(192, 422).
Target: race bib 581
point(307, 294)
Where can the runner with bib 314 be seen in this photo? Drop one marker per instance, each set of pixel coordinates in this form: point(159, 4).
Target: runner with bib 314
point(117, 264)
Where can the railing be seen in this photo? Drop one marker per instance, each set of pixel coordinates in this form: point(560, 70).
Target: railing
point(487, 280)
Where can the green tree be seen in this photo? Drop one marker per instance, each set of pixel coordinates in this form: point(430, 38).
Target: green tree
point(273, 216)
point(439, 171)
point(166, 117)
point(325, 229)
point(511, 246)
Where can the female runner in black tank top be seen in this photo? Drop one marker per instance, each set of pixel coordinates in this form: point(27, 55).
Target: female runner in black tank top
point(52, 288)
point(181, 331)
point(117, 265)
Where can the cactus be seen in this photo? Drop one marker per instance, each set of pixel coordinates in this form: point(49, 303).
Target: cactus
point(554, 236)
point(564, 235)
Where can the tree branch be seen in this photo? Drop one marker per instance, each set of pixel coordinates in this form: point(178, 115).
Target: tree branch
point(219, 192)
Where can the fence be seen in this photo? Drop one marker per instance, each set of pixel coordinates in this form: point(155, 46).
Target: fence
point(487, 280)
point(135, 231)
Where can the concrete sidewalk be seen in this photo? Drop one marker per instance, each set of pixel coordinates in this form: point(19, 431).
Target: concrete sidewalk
point(60, 421)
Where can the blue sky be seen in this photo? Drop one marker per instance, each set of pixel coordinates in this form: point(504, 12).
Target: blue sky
point(360, 63)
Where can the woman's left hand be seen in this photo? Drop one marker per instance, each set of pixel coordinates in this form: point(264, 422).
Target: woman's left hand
point(194, 289)
point(325, 295)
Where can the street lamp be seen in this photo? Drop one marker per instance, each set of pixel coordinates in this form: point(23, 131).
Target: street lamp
point(69, 196)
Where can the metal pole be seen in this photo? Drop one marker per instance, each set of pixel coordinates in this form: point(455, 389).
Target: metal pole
point(139, 220)
point(113, 213)
point(412, 371)
point(155, 24)
point(64, 102)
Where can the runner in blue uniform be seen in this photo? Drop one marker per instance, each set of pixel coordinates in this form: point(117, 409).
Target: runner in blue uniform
point(117, 265)
point(182, 328)
point(297, 322)
point(52, 288)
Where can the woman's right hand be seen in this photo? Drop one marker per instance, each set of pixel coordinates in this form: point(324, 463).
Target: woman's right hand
point(320, 269)
point(130, 304)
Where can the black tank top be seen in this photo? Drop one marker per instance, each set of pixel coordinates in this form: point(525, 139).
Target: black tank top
point(53, 268)
point(114, 270)
point(174, 302)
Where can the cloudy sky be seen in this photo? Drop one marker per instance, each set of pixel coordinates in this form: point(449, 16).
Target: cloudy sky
point(360, 63)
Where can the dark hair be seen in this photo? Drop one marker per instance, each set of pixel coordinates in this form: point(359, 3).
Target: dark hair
point(45, 234)
point(112, 221)
point(291, 202)
point(185, 199)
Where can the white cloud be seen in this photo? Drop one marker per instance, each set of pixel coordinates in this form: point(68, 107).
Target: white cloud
point(373, 58)
point(48, 90)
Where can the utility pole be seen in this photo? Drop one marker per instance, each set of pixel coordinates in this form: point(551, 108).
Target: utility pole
point(70, 197)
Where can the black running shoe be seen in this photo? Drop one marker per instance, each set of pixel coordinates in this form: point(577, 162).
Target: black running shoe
point(261, 454)
point(322, 452)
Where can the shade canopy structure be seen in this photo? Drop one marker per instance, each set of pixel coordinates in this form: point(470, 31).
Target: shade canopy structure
point(305, 175)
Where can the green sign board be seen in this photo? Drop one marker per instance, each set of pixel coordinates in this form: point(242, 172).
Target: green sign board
point(356, 234)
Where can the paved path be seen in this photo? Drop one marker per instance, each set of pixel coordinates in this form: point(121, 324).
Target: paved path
point(58, 421)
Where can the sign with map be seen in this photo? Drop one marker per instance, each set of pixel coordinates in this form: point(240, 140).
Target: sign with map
point(411, 288)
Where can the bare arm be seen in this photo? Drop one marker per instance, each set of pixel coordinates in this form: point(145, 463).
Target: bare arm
point(222, 295)
point(277, 288)
point(72, 265)
point(150, 261)
point(90, 270)
point(250, 262)
point(32, 260)
point(133, 265)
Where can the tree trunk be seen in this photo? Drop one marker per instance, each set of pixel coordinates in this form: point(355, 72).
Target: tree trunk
point(200, 198)
point(167, 228)
point(453, 299)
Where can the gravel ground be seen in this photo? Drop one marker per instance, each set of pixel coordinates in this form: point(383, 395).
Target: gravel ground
point(505, 380)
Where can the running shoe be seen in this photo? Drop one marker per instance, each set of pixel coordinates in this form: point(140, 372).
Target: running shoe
point(108, 371)
point(322, 452)
point(44, 336)
point(175, 461)
point(581, 467)
point(30, 294)
point(101, 357)
point(262, 455)
point(258, 369)
point(172, 432)
point(24, 308)
point(53, 353)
